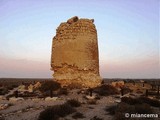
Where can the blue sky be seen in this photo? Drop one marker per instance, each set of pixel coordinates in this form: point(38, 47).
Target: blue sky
point(128, 35)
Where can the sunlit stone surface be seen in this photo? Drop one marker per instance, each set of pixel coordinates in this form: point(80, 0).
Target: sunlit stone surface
point(74, 58)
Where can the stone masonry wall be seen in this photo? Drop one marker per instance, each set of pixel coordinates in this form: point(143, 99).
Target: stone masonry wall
point(75, 53)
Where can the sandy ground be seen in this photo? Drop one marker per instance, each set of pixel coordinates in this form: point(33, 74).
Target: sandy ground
point(29, 109)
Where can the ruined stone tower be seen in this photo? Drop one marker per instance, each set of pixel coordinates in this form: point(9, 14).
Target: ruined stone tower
point(74, 58)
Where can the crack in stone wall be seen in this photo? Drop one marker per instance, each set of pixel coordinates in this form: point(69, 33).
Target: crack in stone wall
point(75, 53)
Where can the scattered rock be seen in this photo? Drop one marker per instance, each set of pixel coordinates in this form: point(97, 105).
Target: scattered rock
point(118, 84)
point(72, 20)
point(118, 100)
point(37, 85)
point(3, 106)
point(16, 99)
point(19, 111)
point(117, 96)
point(30, 88)
point(51, 99)
point(90, 97)
point(37, 99)
point(2, 97)
point(22, 88)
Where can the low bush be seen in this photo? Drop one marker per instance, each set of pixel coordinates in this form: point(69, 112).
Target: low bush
point(2, 118)
point(48, 114)
point(131, 101)
point(111, 109)
point(74, 86)
point(63, 91)
point(74, 103)
point(91, 107)
point(12, 86)
point(92, 102)
point(3, 91)
point(49, 86)
point(106, 90)
point(55, 112)
point(96, 118)
point(78, 115)
point(26, 94)
point(123, 108)
point(152, 102)
point(140, 100)
point(97, 97)
point(143, 108)
point(126, 90)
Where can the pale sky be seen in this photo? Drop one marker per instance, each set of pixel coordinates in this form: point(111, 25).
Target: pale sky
point(128, 35)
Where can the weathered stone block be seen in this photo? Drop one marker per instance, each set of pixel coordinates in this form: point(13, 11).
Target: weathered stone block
point(72, 20)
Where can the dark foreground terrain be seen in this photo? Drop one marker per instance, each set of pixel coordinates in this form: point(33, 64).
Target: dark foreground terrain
point(44, 99)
